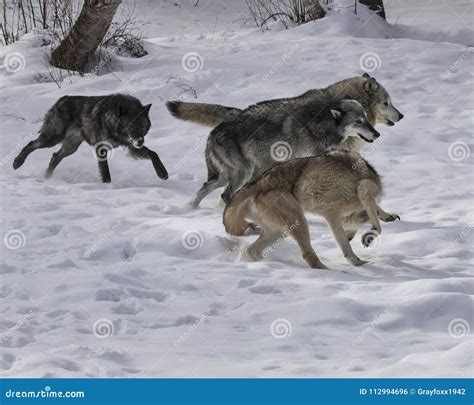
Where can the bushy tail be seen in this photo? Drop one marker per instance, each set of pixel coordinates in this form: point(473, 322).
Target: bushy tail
point(209, 115)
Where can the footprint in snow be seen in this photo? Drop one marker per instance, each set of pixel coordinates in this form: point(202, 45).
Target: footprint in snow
point(6, 361)
point(124, 280)
point(127, 309)
point(65, 364)
point(16, 341)
point(240, 328)
point(265, 289)
point(244, 283)
point(270, 368)
point(117, 356)
point(128, 251)
point(186, 176)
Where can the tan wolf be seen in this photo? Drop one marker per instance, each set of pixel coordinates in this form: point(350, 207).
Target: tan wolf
point(340, 186)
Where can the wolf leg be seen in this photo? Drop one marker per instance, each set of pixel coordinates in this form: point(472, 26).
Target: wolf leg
point(283, 209)
point(335, 224)
point(367, 192)
point(103, 166)
point(303, 238)
point(45, 140)
point(267, 237)
point(207, 188)
point(145, 153)
point(70, 145)
point(353, 222)
point(237, 179)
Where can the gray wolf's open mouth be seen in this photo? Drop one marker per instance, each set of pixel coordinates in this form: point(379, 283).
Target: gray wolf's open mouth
point(364, 138)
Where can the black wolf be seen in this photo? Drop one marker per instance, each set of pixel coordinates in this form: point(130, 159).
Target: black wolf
point(104, 122)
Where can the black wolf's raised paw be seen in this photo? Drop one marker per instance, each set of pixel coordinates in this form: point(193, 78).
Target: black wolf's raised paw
point(18, 162)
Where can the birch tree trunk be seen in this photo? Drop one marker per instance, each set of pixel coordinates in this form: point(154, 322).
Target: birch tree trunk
point(375, 5)
point(85, 35)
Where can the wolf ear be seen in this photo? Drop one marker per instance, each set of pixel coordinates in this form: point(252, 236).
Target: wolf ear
point(366, 75)
point(147, 108)
point(336, 114)
point(371, 85)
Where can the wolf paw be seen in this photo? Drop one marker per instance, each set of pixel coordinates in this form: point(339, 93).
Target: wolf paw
point(350, 235)
point(253, 255)
point(358, 262)
point(18, 162)
point(368, 238)
point(253, 229)
point(390, 218)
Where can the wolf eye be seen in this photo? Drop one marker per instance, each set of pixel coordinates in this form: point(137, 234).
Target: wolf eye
point(386, 103)
point(359, 121)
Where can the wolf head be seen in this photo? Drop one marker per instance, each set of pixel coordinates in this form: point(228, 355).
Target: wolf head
point(351, 120)
point(132, 119)
point(380, 105)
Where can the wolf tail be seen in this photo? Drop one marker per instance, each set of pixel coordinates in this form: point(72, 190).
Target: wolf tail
point(209, 115)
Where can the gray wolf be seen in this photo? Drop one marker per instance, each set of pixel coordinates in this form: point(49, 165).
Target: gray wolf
point(104, 122)
point(364, 89)
point(340, 186)
point(239, 150)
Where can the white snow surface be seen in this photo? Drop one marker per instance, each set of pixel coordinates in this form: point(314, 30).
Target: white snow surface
point(101, 281)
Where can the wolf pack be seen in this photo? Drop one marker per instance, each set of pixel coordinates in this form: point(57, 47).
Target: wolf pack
point(276, 160)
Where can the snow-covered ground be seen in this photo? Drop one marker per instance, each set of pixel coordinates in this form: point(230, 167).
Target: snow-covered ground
point(126, 280)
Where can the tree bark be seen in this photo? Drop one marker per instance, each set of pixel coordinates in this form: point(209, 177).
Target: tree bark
point(375, 5)
point(85, 35)
point(315, 11)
